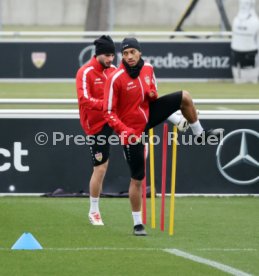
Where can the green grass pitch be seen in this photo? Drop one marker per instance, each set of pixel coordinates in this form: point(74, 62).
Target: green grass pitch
point(198, 90)
point(224, 230)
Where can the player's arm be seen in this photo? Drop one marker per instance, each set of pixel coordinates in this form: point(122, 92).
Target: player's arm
point(84, 91)
point(110, 106)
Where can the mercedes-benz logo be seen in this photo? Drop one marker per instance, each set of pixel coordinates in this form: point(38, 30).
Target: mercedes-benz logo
point(230, 168)
point(86, 54)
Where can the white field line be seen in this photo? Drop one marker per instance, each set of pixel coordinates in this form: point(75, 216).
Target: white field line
point(105, 249)
point(176, 252)
point(136, 249)
point(95, 249)
point(72, 80)
point(223, 108)
point(226, 249)
point(158, 194)
point(219, 266)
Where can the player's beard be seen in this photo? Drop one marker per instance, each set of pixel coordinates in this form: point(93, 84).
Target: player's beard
point(105, 65)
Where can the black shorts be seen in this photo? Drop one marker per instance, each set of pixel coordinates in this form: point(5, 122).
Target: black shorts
point(243, 59)
point(159, 111)
point(99, 145)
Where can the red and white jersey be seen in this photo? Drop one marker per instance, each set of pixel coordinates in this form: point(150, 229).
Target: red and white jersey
point(90, 81)
point(126, 100)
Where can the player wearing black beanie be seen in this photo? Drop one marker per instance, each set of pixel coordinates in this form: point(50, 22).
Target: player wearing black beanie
point(104, 45)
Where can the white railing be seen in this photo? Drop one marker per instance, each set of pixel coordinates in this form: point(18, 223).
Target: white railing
point(227, 101)
point(38, 101)
point(75, 101)
point(33, 34)
point(74, 114)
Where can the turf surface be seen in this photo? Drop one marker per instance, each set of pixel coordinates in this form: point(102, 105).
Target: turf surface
point(224, 230)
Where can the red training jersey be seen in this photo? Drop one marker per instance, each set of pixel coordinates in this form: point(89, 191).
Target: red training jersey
point(126, 100)
point(90, 81)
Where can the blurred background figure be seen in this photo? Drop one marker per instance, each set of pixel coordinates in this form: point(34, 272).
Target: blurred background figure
point(245, 43)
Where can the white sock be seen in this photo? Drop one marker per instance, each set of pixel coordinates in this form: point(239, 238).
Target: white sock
point(196, 128)
point(94, 204)
point(174, 118)
point(137, 218)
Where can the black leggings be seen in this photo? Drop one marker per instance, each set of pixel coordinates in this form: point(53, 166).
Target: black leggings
point(159, 111)
point(163, 107)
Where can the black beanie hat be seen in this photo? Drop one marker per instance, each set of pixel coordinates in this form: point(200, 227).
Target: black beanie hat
point(130, 42)
point(104, 45)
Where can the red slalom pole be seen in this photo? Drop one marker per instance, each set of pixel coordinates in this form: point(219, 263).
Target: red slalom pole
point(144, 192)
point(163, 184)
point(144, 201)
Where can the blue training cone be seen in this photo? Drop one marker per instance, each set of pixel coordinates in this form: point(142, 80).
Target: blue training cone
point(26, 242)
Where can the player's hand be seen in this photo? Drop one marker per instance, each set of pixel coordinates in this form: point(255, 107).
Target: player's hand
point(153, 95)
point(129, 136)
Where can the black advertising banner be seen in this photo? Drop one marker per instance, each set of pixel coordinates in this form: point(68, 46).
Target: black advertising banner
point(42, 155)
point(171, 60)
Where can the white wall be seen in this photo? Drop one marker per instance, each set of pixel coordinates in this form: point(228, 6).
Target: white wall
point(127, 12)
point(44, 12)
point(168, 12)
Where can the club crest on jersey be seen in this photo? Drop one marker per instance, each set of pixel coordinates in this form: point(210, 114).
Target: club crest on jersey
point(147, 80)
point(38, 59)
point(98, 156)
